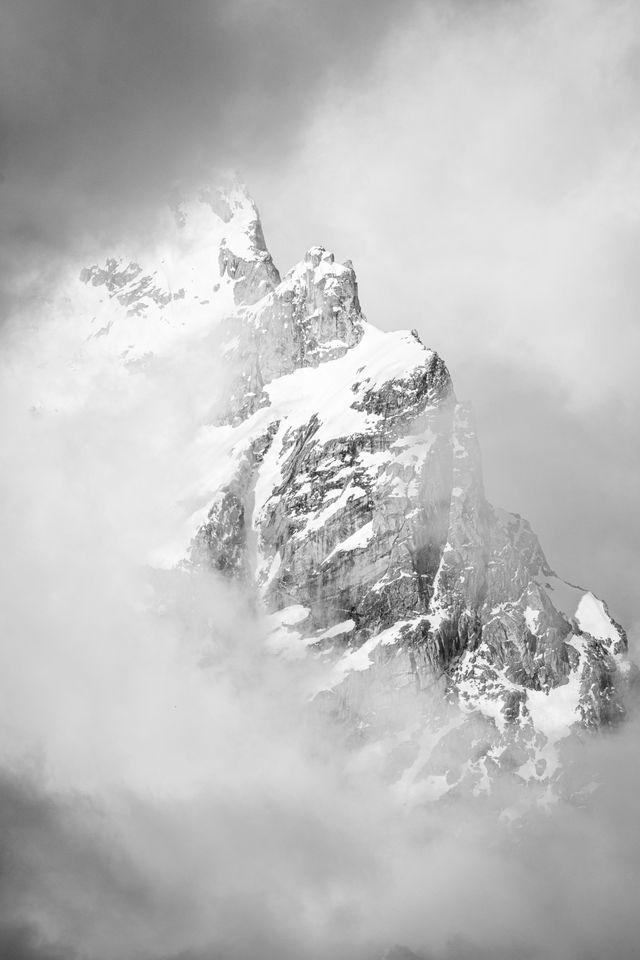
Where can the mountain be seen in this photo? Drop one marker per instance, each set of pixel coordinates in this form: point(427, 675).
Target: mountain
point(339, 479)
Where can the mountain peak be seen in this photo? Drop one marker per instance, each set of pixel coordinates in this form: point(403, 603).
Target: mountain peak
point(315, 254)
point(308, 318)
point(243, 256)
point(342, 483)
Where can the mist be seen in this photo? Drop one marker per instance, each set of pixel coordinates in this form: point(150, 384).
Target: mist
point(166, 790)
point(477, 162)
point(106, 105)
point(483, 178)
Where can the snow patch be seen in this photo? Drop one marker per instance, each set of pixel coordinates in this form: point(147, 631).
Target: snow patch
point(592, 617)
point(553, 712)
point(345, 627)
point(531, 617)
point(357, 541)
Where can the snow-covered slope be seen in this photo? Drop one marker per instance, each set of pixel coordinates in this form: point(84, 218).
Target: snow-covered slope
point(338, 477)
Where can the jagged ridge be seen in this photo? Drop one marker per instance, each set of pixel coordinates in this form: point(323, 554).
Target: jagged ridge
point(348, 493)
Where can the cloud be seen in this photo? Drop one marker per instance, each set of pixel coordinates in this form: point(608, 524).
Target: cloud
point(165, 793)
point(105, 105)
point(484, 181)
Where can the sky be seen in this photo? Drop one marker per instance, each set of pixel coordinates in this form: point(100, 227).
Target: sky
point(483, 177)
point(478, 162)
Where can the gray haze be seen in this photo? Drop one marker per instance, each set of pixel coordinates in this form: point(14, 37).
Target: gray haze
point(105, 104)
point(484, 178)
point(479, 164)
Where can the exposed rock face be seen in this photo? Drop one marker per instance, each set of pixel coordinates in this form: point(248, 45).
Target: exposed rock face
point(349, 497)
point(252, 269)
point(367, 532)
point(311, 317)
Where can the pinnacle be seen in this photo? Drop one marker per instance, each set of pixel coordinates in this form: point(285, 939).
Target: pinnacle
point(315, 254)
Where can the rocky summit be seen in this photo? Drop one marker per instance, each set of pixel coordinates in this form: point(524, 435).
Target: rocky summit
point(340, 481)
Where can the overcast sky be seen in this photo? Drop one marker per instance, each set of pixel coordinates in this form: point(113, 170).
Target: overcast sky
point(478, 161)
point(484, 177)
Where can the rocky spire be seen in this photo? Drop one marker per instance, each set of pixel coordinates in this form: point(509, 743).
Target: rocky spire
point(310, 317)
point(243, 256)
point(357, 511)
